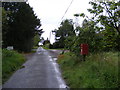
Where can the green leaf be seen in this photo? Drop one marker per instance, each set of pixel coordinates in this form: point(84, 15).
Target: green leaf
point(82, 15)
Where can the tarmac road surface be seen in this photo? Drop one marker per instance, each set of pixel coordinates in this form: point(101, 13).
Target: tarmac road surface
point(40, 71)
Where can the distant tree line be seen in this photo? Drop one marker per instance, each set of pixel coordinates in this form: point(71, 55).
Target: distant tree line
point(19, 26)
point(101, 32)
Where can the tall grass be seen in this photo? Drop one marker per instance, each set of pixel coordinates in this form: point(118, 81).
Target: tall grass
point(98, 71)
point(11, 61)
point(0, 66)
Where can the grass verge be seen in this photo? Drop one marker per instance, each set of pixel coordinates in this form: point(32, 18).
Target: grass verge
point(98, 71)
point(11, 61)
point(0, 67)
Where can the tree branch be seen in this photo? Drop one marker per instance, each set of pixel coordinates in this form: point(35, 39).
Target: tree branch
point(112, 16)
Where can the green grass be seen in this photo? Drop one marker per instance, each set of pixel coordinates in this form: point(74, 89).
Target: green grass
point(0, 66)
point(11, 61)
point(98, 71)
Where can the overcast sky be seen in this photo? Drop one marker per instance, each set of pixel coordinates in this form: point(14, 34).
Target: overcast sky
point(50, 12)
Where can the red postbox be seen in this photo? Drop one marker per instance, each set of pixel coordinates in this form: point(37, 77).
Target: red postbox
point(84, 49)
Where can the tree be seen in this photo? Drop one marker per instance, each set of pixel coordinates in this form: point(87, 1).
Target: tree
point(37, 36)
point(36, 40)
point(65, 30)
point(104, 24)
point(46, 42)
point(87, 34)
point(110, 39)
point(22, 26)
point(107, 13)
point(4, 25)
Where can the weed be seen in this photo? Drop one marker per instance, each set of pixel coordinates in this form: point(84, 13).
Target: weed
point(100, 70)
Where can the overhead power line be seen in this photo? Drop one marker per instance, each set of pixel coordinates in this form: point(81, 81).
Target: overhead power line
point(67, 10)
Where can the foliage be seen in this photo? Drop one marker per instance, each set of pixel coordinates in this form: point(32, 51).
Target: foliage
point(110, 39)
point(107, 14)
point(4, 24)
point(36, 40)
point(21, 26)
point(111, 18)
point(99, 71)
point(87, 34)
point(11, 61)
point(65, 30)
point(100, 32)
point(46, 44)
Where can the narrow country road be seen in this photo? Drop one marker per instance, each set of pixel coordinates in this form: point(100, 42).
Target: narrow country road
point(40, 71)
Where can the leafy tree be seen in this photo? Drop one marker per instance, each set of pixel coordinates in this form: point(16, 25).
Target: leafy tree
point(36, 40)
point(4, 25)
point(46, 43)
point(37, 36)
point(64, 31)
point(108, 15)
point(87, 34)
point(22, 26)
point(104, 26)
point(110, 39)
